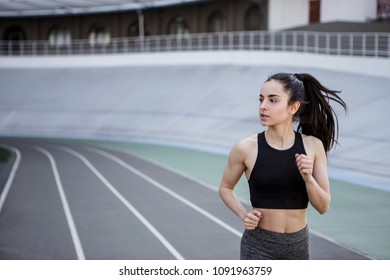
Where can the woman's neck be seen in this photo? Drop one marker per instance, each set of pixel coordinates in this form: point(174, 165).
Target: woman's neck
point(280, 138)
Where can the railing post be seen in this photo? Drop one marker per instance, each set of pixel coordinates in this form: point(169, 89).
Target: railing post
point(327, 43)
point(158, 44)
point(388, 45)
point(350, 44)
point(272, 41)
point(262, 39)
point(251, 40)
point(190, 42)
point(80, 47)
point(178, 39)
point(338, 43)
point(195, 42)
point(220, 41)
point(241, 40)
point(376, 45)
point(34, 49)
point(295, 41)
point(125, 45)
point(364, 45)
point(21, 48)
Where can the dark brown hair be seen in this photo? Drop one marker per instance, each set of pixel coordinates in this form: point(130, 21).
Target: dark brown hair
point(315, 116)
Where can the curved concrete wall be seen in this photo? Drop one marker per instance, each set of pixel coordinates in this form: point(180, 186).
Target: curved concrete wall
point(207, 100)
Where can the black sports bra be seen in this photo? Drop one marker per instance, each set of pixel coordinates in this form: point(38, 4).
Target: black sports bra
point(275, 181)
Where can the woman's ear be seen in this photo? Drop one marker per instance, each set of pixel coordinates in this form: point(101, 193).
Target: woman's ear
point(295, 107)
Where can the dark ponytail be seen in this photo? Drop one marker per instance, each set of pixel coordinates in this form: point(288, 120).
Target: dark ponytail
point(315, 116)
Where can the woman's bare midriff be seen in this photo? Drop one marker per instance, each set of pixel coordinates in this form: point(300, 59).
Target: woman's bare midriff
point(283, 220)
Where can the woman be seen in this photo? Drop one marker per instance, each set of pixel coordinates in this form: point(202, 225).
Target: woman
point(285, 169)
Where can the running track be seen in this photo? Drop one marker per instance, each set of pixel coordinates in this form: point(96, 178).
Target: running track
point(67, 200)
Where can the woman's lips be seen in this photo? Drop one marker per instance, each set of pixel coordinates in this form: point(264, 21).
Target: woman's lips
point(263, 116)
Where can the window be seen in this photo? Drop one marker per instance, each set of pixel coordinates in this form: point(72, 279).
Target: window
point(253, 18)
point(99, 36)
point(133, 30)
point(383, 9)
point(216, 22)
point(315, 9)
point(13, 35)
point(178, 26)
point(59, 36)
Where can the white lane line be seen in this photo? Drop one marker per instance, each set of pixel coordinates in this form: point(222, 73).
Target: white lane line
point(11, 175)
point(136, 213)
point(68, 213)
point(167, 190)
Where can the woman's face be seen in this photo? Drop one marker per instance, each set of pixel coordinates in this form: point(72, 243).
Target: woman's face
point(274, 108)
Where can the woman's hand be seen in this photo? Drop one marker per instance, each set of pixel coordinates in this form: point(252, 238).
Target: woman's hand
point(252, 219)
point(305, 166)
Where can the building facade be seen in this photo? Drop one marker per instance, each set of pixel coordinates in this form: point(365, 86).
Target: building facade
point(183, 18)
point(209, 16)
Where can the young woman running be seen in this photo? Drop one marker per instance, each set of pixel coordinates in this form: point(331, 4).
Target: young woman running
point(286, 169)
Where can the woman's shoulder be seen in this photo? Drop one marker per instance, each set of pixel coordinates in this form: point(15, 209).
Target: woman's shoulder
point(245, 145)
point(312, 143)
point(250, 140)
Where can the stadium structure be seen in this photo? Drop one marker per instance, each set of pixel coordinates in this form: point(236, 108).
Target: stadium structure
point(182, 74)
point(60, 22)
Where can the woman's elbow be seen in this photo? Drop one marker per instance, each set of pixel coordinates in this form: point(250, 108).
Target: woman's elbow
point(222, 191)
point(324, 208)
point(225, 193)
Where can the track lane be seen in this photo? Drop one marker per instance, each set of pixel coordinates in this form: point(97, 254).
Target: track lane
point(189, 231)
point(107, 229)
point(168, 191)
point(11, 176)
point(32, 222)
point(124, 201)
point(64, 201)
point(203, 197)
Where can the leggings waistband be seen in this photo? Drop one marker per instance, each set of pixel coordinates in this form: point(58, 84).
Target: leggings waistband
point(284, 237)
point(264, 244)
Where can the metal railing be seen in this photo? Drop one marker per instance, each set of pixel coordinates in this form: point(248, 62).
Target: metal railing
point(332, 43)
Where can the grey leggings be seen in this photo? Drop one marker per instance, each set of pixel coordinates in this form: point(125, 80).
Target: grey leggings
point(261, 244)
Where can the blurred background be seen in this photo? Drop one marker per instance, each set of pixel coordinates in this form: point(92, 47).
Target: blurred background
point(177, 82)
